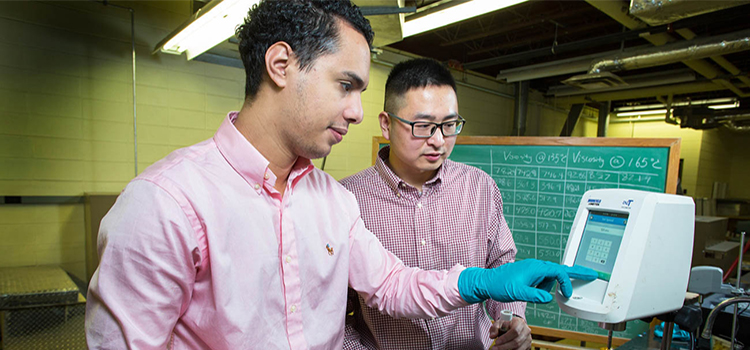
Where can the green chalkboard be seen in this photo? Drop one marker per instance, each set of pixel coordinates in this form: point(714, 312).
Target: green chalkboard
point(542, 180)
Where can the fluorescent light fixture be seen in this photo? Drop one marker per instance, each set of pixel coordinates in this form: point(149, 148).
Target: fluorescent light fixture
point(727, 100)
point(212, 24)
point(453, 14)
point(726, 106)
point(640, 113)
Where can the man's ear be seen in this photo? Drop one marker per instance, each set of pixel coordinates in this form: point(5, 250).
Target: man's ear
point(278, 61)
point(385, 123)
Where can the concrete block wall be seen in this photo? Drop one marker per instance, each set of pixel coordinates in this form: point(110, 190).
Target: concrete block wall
point(715, 161)
point(66, 113)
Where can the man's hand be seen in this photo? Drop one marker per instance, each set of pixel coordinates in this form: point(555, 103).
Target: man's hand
point(528, 280)
point(517, 337)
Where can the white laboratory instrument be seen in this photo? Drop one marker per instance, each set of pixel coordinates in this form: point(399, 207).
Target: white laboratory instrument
point(641, 245)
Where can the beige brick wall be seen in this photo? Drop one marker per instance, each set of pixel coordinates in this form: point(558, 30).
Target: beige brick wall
point(66, 113)
point(42, 235)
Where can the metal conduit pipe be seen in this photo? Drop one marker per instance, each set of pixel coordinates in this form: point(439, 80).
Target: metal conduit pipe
point(672, 53)
point(132, 48)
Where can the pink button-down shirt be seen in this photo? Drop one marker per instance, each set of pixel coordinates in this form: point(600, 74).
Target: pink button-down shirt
point(456, 219)
point(201, 252)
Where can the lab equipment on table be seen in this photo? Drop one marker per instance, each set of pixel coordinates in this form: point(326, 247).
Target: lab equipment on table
point(640, 243)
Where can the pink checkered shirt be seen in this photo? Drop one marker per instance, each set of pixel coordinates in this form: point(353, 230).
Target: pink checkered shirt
point(457, 219)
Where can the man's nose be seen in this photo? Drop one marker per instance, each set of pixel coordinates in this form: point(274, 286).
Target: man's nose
point(437, 139)
point(354, 113)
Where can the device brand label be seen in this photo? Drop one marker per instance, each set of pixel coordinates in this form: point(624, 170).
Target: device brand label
point(595, 202)
point(627, 203)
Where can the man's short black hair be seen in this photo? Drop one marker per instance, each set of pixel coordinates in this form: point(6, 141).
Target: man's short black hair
point(412, 74)
point(309, 26)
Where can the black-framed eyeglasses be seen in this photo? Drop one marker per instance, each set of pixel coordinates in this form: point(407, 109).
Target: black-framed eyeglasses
point(425, 130)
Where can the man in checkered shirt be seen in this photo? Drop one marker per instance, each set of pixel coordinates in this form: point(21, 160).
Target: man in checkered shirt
point(432, 213)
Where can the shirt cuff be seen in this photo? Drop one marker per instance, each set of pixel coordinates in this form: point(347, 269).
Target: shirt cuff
point(452, 293)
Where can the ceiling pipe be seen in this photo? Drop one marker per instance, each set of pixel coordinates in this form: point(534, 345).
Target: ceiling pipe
point(618, 11)
point(672, 53)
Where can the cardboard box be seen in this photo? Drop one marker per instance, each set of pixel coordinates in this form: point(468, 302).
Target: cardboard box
point(710, 233)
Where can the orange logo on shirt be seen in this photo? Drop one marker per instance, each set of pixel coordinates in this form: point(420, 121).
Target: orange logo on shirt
point(330, 249)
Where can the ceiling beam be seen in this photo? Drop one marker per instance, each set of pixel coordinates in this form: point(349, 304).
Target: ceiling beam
point(510, 27)
point(547, 35)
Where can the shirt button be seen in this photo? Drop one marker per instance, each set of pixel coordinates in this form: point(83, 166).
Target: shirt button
point(266, 176)
point(424, 242)
point(288, 259)
point(398, 195)
point(293, 308)
point(419, 205)
point(257, 186)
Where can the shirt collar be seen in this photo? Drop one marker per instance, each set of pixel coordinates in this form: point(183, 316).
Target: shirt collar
point(247, 161)
point(393, 181)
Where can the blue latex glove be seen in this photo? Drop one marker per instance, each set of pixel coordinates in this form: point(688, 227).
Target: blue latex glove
point(677, 333)
point(528, 280)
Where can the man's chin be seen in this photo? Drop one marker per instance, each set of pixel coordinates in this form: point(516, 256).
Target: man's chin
point(431, 166)
point(317, 153)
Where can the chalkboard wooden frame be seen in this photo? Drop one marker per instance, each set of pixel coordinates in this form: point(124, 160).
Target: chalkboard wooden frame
point(672, 143)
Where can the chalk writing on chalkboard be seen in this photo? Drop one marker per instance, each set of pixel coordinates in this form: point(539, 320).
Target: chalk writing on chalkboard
point(542, 187)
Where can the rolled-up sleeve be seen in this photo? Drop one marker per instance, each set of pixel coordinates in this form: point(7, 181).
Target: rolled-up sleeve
point(385, 283)
point(148, 260)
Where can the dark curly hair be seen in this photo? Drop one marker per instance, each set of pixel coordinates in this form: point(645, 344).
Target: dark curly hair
point(308, 26)
point(411, 74)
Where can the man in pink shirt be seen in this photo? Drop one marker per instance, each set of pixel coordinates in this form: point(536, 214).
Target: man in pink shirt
point(238, 242)
point(432, 213)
